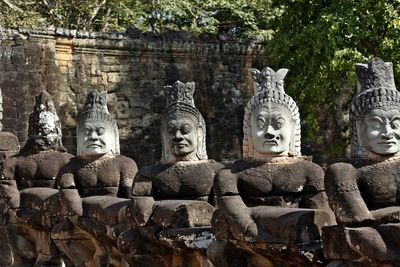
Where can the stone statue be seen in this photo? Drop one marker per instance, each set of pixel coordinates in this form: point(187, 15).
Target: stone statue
point(364, 194)
point(9, 146)
point(272, 202)
point(28, 179)
point(171, 202)
point(99, 177)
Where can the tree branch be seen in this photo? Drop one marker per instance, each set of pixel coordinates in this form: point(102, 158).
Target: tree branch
point(12, 6)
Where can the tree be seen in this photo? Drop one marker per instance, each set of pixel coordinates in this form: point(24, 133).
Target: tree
point(320, 42)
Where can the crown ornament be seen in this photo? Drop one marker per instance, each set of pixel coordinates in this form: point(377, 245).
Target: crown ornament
point(180, 103)
point(268, 79)
point(375, 89)
point(269, 89)
point(95, 110)
point(180, 92)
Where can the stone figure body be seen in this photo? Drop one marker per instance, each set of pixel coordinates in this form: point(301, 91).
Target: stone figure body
point(29, 180)
point(171, 202)
point(364, 193)
point(99, 177)
point(272, 202)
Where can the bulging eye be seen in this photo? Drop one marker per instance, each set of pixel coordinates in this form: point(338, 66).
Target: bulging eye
point(376, 126)
point(100, 131)
point(395, 125)
point(278, 125)
point(260, 124)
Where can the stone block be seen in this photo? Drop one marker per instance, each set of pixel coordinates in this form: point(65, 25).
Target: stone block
point(179, 213)
point(113, 77)
point(8, 142)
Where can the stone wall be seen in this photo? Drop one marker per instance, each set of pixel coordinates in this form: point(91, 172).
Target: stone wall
point(133, 68)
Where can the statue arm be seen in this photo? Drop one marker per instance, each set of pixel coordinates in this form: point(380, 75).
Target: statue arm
point(128, 171)
point(70, 199)
point(9, 193)
point(142, 201)
point(232, 207)
point(344, 195)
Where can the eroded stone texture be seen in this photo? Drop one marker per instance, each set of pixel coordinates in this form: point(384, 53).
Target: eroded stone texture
point(271, 204)
point(28, 184)
point(132, 69)
point(94, 189)
point(364, 194)
point(8, 146)
point(172, 202)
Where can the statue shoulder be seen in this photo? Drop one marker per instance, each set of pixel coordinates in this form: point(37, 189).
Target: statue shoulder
point(128, 164)
point(150, 171)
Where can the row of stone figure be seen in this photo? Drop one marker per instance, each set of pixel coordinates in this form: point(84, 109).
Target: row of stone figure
point(274, 207)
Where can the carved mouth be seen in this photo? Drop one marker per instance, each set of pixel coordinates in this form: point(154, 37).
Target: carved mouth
point(270, 143)
point(388, 143)
point(94, 146)
point(179, 145)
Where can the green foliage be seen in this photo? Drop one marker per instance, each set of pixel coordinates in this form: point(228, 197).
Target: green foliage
point(320, 42)
point(241, 18)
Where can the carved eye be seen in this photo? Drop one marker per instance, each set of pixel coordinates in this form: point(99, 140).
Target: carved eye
point(186, 128)
point(171, 130)
point(376, 126)
point(395, 124)
point(278, 125)
point(100, 131)
point(260, 124)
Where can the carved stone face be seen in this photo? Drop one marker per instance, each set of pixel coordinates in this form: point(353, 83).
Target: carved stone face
point(96, 139)
point(382, 131)
point(271, 130)
point(181, 135)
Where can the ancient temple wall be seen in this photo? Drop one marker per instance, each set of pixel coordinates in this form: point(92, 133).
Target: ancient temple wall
point(133, 69)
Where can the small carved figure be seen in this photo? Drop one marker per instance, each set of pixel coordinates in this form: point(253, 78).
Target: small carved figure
point(364, 194)
point(273, 201)
point(171, 202)
point(33, 172)
point(99, 174)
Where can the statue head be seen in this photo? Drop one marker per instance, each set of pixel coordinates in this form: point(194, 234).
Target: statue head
point(44, 130)
point(375, 112)
point(271, 122)
point(96, 131)
point(183, 131)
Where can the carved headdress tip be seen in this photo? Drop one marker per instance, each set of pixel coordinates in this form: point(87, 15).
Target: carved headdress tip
point(180, 92)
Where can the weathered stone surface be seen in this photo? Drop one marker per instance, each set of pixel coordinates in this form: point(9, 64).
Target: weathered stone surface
point(272, 204)
point(363, 195)
point(94, 187)
point(135, 70)
point(178, 213)
point(171, 202)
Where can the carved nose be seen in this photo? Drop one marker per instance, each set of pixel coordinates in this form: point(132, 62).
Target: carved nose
point(178, 136)
point(93, 135)
point(388, 132)
point(269, 136)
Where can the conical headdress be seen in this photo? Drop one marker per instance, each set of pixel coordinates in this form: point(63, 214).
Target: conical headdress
point(180, 103)
point(44, 112)
point(96, 110)
point(268, 88)
point(375, 89)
